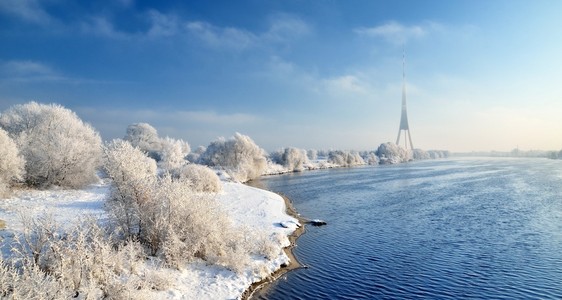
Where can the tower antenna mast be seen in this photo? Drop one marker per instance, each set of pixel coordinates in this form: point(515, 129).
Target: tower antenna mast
point(404, 117)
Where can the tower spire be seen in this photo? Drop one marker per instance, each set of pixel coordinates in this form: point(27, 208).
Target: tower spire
point(404, 117)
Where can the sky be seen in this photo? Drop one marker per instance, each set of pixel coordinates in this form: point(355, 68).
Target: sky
point(324, 74)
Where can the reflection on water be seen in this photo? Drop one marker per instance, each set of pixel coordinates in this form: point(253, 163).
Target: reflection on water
point(448, 229)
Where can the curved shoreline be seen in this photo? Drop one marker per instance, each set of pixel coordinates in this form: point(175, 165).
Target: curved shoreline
point(284, 269)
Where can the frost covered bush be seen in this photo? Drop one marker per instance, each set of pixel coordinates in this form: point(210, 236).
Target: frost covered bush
point(180, 225)
point(194, 155)
point(145, 137)
point(345, 158)
point(419, 154)
point(58, 148)
point(200, 178)
point(312, 154)
point(200, 228)
point(239, 156)
point(11, 163)
point(434, 154)
point(173, 153)
point(133, 175)
point(292, 159)
point(370, 157)
point(167, 215)
point(83, 262)
point(390, 153)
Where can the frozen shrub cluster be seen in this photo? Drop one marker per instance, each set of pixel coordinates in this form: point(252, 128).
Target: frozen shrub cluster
point(82, 262)
point(199, 178)
point(168, 152)
point(370, 157)
point(390, 153)
point(322, 153)
point(145, 137)
point(345, 158)
point(11, 163)
point(59, 149)
point(312, 154)
point(194, 155)
point(419, 154)
point(239, 156)
point(173, 153)
point(292, 159)
point(167, 215)
point(554, 154)
point(434, 154)
point(133, 175)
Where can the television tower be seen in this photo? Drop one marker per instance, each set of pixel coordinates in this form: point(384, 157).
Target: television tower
point(404, 117)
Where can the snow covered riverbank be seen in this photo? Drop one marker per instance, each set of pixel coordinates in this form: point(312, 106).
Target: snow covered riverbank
point(260, 210)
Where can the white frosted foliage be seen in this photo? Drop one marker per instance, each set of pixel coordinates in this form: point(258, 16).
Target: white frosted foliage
point(173, 153)
point(11, 163)
point(143, 136)
point(239, 156)
point(59, 149)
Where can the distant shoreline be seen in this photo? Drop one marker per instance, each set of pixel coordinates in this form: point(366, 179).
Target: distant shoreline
point(284, 269)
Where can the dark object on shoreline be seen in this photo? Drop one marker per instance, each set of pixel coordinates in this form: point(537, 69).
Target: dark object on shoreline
point(317, 222)
point(290, 224)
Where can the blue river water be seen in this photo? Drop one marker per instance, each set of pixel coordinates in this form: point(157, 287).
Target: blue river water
point(473, 228)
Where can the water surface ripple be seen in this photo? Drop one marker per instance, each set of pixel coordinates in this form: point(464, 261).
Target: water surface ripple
point(445, 229)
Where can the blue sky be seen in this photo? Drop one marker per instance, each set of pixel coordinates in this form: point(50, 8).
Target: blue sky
point(481, 75)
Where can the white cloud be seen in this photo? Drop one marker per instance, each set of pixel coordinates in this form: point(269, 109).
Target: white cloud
point(28, 10)
point(27, 70)
point(282, 28)
point(346, 84)
point(100, 26)
point(340, 86)
point(285, 27)
point(398, 33)
point(162, 25)
point(222, 37)
point(26, 67)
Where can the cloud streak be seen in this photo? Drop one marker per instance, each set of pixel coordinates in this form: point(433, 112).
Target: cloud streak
point(27, 10)
point(221, 37)
point(282, 28)
point(27, 70)
point(397, 33)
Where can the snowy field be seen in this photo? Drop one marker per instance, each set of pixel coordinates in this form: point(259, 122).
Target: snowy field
point(257, 209)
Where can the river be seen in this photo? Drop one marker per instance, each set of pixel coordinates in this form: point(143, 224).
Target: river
point(438, 229)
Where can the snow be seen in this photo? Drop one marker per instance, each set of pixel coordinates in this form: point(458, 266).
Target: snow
point(257, 209)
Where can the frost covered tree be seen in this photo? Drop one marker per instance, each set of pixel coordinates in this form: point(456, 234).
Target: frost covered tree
point(292, 159)
point(345, 158)
point(59, 149)
point(173, 153)
point(81, 261)
point(312, 154)
point(145, 137)
point(239, 156)
point(172, 219)
point(11, 163)
point(434, 154)
point(199, 178)
point(134, 177)
point(370, 157)
point(419, 154)
point(390, 153)
point(193, 156)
